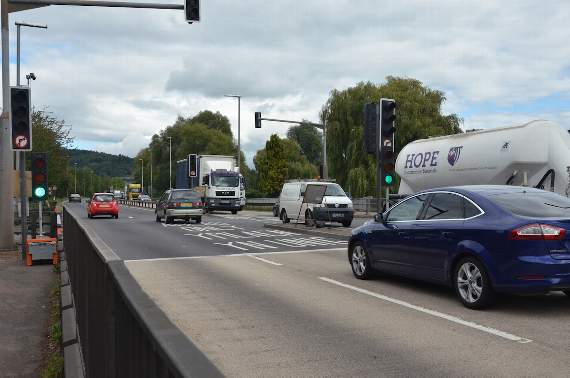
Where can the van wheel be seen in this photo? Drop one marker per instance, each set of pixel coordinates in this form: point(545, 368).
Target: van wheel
point(346, 223)
point(284, 218)
point(309, 219)
point(234, 211)
point(472, 284)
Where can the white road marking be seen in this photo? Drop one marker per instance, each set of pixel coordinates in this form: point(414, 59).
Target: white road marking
point(237, 255)
point(264, 260)
point(451, 318)
point(131, 217)
point(163, 224)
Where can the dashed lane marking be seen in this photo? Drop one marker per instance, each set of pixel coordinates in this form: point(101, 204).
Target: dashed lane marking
point(264, 260)
point(437, 314)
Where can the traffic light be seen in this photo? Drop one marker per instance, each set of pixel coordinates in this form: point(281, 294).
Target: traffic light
point(370, 127)
point(21, 119)
point(387, 128)
point(192, 165)
point(192, 10)
point(39, 176)
point(258, 120)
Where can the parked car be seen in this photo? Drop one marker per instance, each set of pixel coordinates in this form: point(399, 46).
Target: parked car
point(179, 204)
point(479, 239)
point(74, 197)
point(102, 204)
point(334, 207)
point(144, 198)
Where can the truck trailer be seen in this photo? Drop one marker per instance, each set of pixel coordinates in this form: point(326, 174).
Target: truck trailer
point(216, 177)
point(535, 154)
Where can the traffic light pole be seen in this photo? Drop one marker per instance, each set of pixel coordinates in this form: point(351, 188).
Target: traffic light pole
point(22, 155)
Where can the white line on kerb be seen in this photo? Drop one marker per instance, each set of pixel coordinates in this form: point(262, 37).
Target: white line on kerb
point(438, 314)
point(264, 260)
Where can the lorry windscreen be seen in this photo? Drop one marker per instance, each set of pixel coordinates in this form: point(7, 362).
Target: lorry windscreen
point(229, 181)
point(135, 190)
point(533, 204)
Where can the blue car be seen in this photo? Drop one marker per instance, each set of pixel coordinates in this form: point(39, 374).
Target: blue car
point(478, 239)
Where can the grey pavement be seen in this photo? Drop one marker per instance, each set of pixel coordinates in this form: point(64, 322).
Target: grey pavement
point(24, 314)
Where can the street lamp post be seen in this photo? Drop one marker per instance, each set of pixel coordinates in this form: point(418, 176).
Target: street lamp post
point(239, 134)
point(75, 178)
point(150, 191)
point(170, 163)
point(142, 175)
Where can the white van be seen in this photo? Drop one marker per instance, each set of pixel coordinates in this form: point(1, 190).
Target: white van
point(335, 207)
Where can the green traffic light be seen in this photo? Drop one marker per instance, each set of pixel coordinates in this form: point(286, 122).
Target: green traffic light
point(388, 179)
point(40, 192)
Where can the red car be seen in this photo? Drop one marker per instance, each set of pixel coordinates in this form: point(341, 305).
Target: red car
point(102, 204)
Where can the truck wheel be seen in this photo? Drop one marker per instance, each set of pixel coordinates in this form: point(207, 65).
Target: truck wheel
point(234, 211)
point(346, 223)
point(199, 220)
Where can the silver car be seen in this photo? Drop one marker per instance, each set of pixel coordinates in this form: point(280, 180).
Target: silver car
point(180, 204)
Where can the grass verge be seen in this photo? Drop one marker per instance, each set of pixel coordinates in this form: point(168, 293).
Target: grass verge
point(53, 364)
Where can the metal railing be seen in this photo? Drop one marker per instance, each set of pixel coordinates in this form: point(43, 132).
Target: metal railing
point(145, 204)
point(122, 333)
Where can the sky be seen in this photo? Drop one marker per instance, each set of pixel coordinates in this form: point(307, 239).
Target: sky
point(118, 76)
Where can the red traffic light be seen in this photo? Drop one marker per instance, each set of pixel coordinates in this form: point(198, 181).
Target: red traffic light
point(39, 163)
point(39, 178)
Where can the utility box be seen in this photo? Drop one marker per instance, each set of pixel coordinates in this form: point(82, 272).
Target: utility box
point(43, 248)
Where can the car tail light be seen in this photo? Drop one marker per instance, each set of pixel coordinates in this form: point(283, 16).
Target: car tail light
point(173, 205)
point(538, 232)
point(198, 204)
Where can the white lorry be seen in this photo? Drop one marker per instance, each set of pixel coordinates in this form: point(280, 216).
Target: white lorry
point(217, 177)
point(535, 154)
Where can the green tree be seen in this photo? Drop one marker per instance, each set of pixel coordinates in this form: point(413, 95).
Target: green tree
point(310, 139)
point(281, 159)
point(206, 133)
point(271, 164)
point(418, 116)
point(51, 135)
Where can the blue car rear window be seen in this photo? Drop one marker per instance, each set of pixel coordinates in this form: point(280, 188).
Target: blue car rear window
point(537, 204)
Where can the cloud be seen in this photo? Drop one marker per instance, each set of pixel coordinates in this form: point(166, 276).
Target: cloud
point(120, 75)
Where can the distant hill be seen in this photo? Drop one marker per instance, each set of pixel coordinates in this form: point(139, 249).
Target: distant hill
point(101, 163)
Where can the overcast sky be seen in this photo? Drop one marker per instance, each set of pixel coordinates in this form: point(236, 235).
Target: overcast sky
point(120, 75)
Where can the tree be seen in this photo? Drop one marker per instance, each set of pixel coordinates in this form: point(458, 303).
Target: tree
point(310, 140)
point(206, 133)
point(281, 160)
point(215, 121)
point(418, 116)
point(271, 165)
point(51, 135)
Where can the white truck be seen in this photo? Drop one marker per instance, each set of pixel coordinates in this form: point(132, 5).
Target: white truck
point(217, 177)
point(535, 154)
